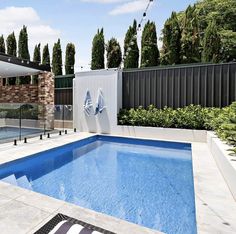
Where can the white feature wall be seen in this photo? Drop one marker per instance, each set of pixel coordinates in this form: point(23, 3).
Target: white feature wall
point(110, 82)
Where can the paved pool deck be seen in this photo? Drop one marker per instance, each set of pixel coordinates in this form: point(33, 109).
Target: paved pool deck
point(24, 211)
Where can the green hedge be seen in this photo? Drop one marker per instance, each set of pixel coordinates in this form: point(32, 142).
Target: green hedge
point(222, 121)
point(189, 117)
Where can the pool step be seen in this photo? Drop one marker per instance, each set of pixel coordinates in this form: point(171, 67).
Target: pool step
point(11, 179)
point(23, 182)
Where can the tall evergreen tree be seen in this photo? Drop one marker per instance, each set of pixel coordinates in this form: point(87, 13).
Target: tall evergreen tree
point(211, 44)
point(23, 50)
point(23, 53)
point(70, 58)
point(46, 55)
point(11, 44)
point(114, 55)
point(171, 41)
point(57, 59)
point(2, 45)
point(190, 42)
point(150, 55)
point(37, 55)
point(37, 59)
point(131, 50)
point(11, 50)
point(98, 50)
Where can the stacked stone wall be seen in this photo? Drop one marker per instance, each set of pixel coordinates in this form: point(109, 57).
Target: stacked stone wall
point(41, 94)
point(19, 94)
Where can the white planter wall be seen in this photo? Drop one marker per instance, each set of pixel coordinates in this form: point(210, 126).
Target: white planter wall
point(225, 163)
point(171, 134)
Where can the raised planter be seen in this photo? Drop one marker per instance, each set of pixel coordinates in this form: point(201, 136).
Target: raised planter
point(172, 134)
point(225, 162)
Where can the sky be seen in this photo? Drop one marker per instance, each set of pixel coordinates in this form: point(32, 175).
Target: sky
point(77, 21)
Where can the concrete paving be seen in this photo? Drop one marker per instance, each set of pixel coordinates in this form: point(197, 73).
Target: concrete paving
point(23, 211)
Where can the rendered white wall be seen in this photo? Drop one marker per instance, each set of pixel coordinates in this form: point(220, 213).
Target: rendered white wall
point(227, 167)
point(110, 82)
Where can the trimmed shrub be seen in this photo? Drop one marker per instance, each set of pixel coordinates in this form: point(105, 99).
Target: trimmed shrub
point(222, 121)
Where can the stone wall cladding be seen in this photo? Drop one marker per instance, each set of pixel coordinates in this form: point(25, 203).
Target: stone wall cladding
point(41, 94)
point(46, 88)
point(46, 99)
point(19, 94)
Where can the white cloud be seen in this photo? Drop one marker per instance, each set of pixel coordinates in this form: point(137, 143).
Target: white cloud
point(104, 1)
point(129, 7)
point(13, 18)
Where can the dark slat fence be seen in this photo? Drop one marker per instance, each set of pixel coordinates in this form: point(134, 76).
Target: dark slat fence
point(64, 90)
point(209, 85)
point(63, 96)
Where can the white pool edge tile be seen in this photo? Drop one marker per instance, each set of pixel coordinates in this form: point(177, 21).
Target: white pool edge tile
point(199, 150)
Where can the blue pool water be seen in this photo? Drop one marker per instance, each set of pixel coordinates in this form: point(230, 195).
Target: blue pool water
point(149, 183)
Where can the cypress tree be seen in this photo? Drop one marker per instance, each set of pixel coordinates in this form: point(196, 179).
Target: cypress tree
point(11, 44)
point(46, 56)
point(114, 55)
point(23, 53)
point(171, 41)
point(190, 42)
point(37, 55)
point(211, 44)
point(37, 59)
point(57, 59)
point(70, 58)
point(130, 43)
point(11, 50)
point(23, 50)
point(2, 45)
point(98, 50)
point(150, 55)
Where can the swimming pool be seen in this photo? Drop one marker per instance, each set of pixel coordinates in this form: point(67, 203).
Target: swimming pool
point(146, 182)
point(9, 133)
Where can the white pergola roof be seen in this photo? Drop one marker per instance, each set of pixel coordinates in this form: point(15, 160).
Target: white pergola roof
point(11, 67)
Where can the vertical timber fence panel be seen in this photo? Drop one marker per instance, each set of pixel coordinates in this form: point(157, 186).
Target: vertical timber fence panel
point(208, 85)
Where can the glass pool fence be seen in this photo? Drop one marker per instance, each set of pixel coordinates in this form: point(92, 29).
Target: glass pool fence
point(20, 121)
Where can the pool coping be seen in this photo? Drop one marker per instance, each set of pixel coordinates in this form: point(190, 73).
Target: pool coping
point(213, 214)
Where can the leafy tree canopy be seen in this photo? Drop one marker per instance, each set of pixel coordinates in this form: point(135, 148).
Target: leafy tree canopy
point(131, 50)
point(223, 12)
